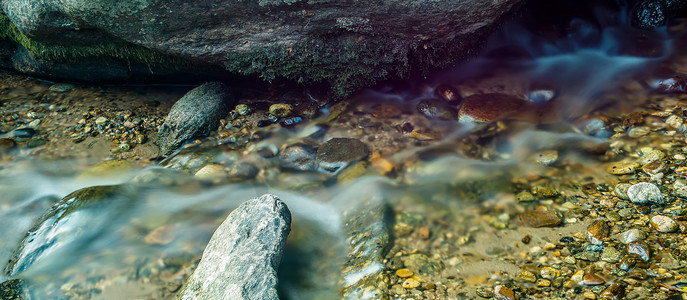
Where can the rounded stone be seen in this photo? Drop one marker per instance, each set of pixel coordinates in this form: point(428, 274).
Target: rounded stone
point(611, 254)
point(410, 283)
point(645, 192)
point(632, 235)
point(404, 273)
point(242, 171)
point(540, 218)
point(597, 232)
point(437, 109)
point(488, 107)
point(243, 109)
point(546, 158)
point(337, 153)
point(664, 224)
point(592, 279)
point(527, 276)
point(621, 168)
point(7, 144)
point(549, 273)
point(621, 190)
point(641, 249)
point(299, 156)
point(100, 120)
point(502, 292)
point(281, 109)
point(448, 94)
point(210, 171)
point(23, 133)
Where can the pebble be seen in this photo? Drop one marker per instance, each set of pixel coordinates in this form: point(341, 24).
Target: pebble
point(621, 190)
point(664, 224)
point(589, 295)
point(281, 110)
point(546, 158)
point(23, 133)
point(597, 232)
point(614, 291)
point(611, 254)
point(650, 155)
point(588, 256)
point(549, 273)
point(37, 142)
point(639, 248)
point(540, 218)
point(100, 120)
point(592, 279)
point(621, 168)
point(436, 109)
point(404, 273)
point(210, 171)
point(632, 235)
point(337, 153)
point(448, 94)
point(299, 156)
point(527, 276)
point(242, 171)
point(7, 144)
point(410, 283)
point(243, 109)
point(61, 87)
point(488, 107)
point(675, 122)
point(525, 196)
point(645, 192)
point(502, 292)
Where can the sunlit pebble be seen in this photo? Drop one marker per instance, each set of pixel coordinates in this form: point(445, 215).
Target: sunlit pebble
point(664, 224)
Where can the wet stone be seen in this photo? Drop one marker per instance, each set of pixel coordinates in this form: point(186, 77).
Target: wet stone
point(12, 290)
point(620, 190)
point(488, 107)
point(664, 224)
point(281, 110)
point(7, 144)
point(549, 273)
point(588, 256)
point(525, 196)
point(242, 171)
point(243, 109)
point(194, 115)
point(672, 85)
point(502, 292)
point(546, 158)
point(422, 263)
point(527, 276)
point(621, 168)
point(592, 279)
point(23, 133)
point(614, 291)
point(641, 249)
point(410, 283)
point(611, 254)
point(437, 109)
point(337, 153)
point(299, 156)
point(650, 155)
point(448, 94)
point(210, 171)
point(645, 192)
point(540, 218)
point(598, 232)
point(404, 273)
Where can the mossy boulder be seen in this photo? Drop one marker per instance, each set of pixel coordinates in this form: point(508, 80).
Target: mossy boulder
point(345, 44)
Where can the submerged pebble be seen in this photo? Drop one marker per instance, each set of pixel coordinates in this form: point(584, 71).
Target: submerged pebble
point(664, 224)
point(281, 110)
point(337, 153)
point(540, 218)
point(436, 109)
point(645, 192)
point(448, 94)
point(488, 107)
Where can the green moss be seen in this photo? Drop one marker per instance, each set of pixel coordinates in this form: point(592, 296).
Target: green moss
point(122, 50)
point(345, 64)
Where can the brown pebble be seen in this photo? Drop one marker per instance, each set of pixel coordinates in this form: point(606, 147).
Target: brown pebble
point(448, 94)
point(664, 224)
point(488, 107)
point(592, 279)
point(639, 248)
point(621, 168)
point(502, 292)
point(598, 232)
point(423, 232)
point(614, 291)
point(404, 273)
point(539, 218)
point(526, 239)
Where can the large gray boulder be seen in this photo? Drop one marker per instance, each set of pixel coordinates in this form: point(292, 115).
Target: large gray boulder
point(345, 43)
point(243, 255)
point(194, 115)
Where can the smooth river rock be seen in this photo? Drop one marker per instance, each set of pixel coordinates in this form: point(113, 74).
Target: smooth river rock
point(195, 115)
point(244, 253)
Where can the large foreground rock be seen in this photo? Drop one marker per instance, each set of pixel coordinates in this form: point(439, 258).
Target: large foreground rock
point(345, 43)
point(194, 115)
point(244, 253)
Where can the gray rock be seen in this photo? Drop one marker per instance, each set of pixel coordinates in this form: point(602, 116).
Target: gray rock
point(195, 115)
point(243, 255)
point(621, 190)
point(645, 192)
point(296, 39)
point(631, 235)
point(299, 156)
point(338, 153)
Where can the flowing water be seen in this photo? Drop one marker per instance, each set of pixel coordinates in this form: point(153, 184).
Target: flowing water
point(145, 224)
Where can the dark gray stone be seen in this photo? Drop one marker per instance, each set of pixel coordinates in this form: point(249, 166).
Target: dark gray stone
point(301, 40)
point(243, 255)
point(299, 156)
point(195, 115)
point(338, 153)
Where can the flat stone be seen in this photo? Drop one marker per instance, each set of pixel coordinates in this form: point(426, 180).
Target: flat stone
point(588, 256)
point(549, 273)
point(539, 218)
point(243, 255)
point(592, 279)
point(281, 110)
point(210, 171)
point(502, 292)
point(194, 115)
point(597, 232)
point(488, 107)
point(527, 276)
point(664, 224)
point(403, 273)
point(621, 168)
point(437, 109)
point(337, 153)
point(299, 156)
point(645, 192)
point(611, 254)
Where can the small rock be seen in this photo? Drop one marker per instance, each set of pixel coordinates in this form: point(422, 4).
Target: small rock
point(281, 110)
point(299, 156)
point(502, 292)
point(589, 295)
point(448, 94)
point(588, 256)
point(525, 196)
point(546, 158)
point(664, 224)
point(621, 168)
point(242, 171)
point(672, 85)
point(100, 120)
point(611, 254)
point(7, 144)
point(437, 109)
point(598, 232)
point(22, 133)
point(410, 283)
point(141, 139)
point(337, 153)
point(645, 192)
point(160, 236)
point(540, 218)
point(675, 122)
point(527, 276)
point(488, 107)
point(614, 291)
point(194, 115)
point(549, 273)
point(592, 279)
point(621, 190)
point(650, 155)
point(243, 255)
point(632, 235)
point(404, 273)
point(61, 87)
point(422, 263)
point(641, 249)
point(37, 142)
point(243, 109)
point(210, 172)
